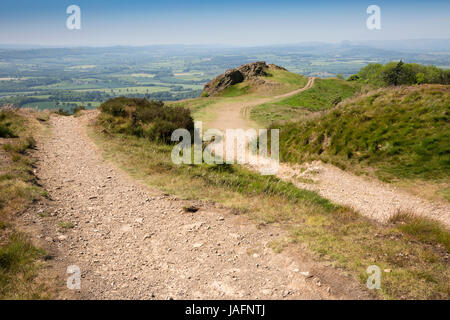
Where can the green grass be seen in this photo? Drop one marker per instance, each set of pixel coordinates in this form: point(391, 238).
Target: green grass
point(403, 132)
point(10, 124)
point(41, 105)
point(18, 189)
point(277, 81)
point(236, 90)
point(17, 182)
point(201, 108)
point(332, 233)
point(325, 94)
point(66, 225)
point(294, 80)
point(423, 229)
point(20, 146)
point(18, 269)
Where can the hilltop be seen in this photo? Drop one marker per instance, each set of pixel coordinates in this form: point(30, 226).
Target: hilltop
point(253, 77)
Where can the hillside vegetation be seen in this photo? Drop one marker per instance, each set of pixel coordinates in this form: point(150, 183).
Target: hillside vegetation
point(403, 132)
point(256, 78)
point(325, 94)
point(140, 117)
point(400, 73)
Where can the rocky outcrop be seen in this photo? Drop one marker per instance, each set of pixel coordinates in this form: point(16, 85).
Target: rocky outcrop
point(233, 76)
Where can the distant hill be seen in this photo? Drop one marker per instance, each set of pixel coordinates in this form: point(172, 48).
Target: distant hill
point(251, 78)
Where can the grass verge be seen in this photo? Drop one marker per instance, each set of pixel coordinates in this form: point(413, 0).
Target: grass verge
point(19, 259)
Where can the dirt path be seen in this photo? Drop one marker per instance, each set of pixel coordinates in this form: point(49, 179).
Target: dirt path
point(371, 198)
point(235, 115)
point(132, 242)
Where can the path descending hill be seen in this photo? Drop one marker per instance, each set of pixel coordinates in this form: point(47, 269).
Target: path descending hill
point(235, 115)
point(132, 242)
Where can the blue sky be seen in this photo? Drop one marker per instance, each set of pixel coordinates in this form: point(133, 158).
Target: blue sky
point(230, 22)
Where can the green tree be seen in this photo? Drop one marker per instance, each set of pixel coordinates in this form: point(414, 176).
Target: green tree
point(420, 78)
point(392, 75)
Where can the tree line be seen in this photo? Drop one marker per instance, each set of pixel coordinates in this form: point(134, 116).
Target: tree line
point(400, 73)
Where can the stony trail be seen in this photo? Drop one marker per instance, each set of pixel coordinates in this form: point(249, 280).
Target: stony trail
point(370, 197)
point(235, 115)
point(132, 242)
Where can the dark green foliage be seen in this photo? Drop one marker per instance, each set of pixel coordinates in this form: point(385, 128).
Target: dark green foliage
point(143, 118)
point(78, 109)
point(16, 263)
point(400, 73)
point(5, 131)
point(62, 112)
point(6, 125)
point(397, 75)
point(354, 77)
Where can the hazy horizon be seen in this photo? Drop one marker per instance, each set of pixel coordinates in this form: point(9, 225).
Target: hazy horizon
point(374, 43)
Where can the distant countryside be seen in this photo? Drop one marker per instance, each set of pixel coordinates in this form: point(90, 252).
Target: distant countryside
point(64, 78)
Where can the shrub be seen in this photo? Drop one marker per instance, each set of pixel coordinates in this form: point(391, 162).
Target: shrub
point(149, 119)
point(354, 77)
point(6, 132)
point(6, 123)
point(62, 112)
point(400, 73)
point(78, 109)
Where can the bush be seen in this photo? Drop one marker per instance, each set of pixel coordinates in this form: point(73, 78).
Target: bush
point(149, 119)
point(78, 109)
point(354, 77)
point(400, 73)
point(6, 132)
point(62, 112)
point(6, 123)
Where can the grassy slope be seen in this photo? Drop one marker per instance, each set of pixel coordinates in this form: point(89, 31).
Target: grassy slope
point(338, 235)
point(402, 132)
point(18, 257)
point(325, 93)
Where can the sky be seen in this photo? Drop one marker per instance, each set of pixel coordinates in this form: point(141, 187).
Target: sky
point(212, 22)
